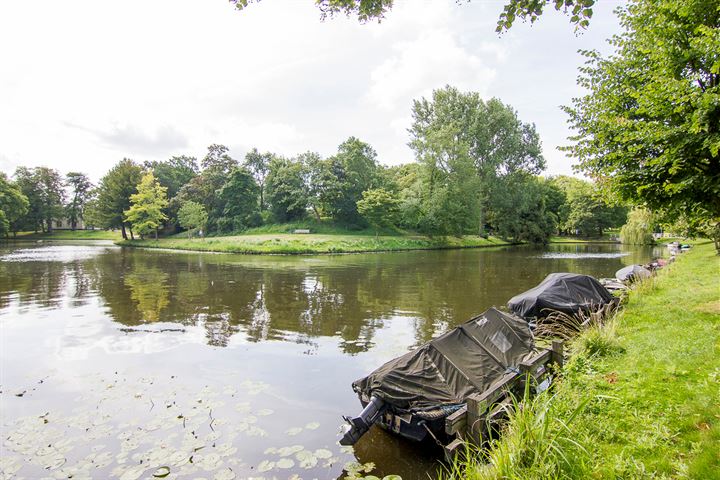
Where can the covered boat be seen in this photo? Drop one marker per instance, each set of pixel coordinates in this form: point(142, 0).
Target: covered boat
point(411, 395)
point(633, 273)
point(563, 292)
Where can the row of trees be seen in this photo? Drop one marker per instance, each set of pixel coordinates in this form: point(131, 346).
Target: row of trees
point(477, 172)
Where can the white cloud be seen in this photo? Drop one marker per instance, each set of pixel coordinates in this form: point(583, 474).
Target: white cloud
point(148, 80)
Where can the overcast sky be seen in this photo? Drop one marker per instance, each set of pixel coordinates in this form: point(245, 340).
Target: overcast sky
point(85, 83)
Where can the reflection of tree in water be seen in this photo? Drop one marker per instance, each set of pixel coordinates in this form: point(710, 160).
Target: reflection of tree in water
point(350, 297)
point(148, 290)
point(32, 283)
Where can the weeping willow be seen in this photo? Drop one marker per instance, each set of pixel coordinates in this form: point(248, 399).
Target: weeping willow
point(638, 229)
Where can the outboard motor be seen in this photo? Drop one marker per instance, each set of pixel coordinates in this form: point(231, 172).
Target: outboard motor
point(362, 423)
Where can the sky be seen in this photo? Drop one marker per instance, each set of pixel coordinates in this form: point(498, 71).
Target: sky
point(85, 83)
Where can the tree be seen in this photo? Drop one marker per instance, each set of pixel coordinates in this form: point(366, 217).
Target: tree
point(81, 188)
point(312, 168)
point(43, 188)
point(259, 165)
point(344, 177)
point(518, 210)
point(112, 196)
point(13, 205)
point(638, 229)
point(238, 199)
point(464, 145)
point(146, 206)
point(379, 207)
point(174, 173)
point(585, 211)
point(286, 190)
point(218, 161)
point(192, 215)
point(648, 130)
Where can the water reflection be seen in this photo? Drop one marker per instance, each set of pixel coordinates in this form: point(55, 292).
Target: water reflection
point(293, 299)
point(102, 320)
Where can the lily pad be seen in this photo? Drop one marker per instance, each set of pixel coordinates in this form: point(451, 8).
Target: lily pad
point(161, 472)
point(293, 431)
point(265, 466)
point(285, 463)
point(323, 453)
point(312, 426)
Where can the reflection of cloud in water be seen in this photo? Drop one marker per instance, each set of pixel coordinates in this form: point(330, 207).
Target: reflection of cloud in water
point(582, 255)
point(59, 253)
point(79, 339)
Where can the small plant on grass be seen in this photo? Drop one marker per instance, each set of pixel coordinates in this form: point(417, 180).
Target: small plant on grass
point(567, 326)
point(192, 215)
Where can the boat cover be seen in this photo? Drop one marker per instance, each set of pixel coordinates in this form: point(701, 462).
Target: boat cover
point(563, 292)
point(449, 368)
point(633, 273)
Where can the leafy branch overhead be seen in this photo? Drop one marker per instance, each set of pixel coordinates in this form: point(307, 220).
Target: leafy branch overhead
point(580, 11)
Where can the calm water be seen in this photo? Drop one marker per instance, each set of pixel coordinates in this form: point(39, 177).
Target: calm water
point(114, 362)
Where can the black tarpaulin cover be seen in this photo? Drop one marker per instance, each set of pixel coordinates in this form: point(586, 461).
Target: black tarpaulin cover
point(564, 292)
point(463, 361)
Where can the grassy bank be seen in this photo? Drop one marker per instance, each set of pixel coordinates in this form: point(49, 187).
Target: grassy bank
point(639, 398)
point(70, 235)
point(288, 243)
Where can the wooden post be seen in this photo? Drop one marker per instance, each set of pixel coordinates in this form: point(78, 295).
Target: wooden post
point(557, 352)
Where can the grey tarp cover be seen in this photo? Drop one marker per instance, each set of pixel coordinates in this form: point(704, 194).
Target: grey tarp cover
point(463, 361)
point(633, 273)
point(563, 292)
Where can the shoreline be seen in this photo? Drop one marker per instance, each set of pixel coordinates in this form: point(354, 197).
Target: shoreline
point(648, 376)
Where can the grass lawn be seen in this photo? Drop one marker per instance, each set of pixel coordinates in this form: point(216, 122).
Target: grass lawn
point(639, 398)
point(288, 243)
point(71, 235)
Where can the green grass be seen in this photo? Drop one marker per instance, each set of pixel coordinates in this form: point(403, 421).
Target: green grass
point(288, 243)
point(648, 388)
point(563, 239)
point(71, 235)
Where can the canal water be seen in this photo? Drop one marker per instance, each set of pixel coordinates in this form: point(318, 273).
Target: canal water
point(125, 363)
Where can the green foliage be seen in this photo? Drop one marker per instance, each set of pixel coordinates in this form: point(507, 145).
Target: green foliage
point(13, 205)
point(174, 173)
point(379, 207)
point(649, 128)
point(112, 196)
point(465, 145)
point(585, 212)
point(638, 229)
point(259, 165)
point(517, 209)
point(344, 177)
point(287, 192)
point(580, 11)
point(81, 193)
point(146, 206)
point(43, 187)
point(238, 202)
point(192, 215)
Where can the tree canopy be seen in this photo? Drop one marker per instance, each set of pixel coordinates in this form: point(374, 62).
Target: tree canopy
point(112, 199)
point(13, 205)
point(81, 193)
point(146, 206)
point(648, 130)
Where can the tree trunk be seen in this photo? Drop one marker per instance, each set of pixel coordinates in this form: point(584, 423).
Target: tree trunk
point(124, 233)
point(317, 214)
point(156, 234)
point(132, 237)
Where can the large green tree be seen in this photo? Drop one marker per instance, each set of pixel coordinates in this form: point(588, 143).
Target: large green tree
point(112, 196)
point(191, 216)
point(174, 173)
point(81, 192)
point(343, 177)
point(585, 212)
point(13, 205)
point(259, 165)
point(379, 207)
point(44, 190)
point(648, 130)
point(465, 144)
point(287, 193)
point(146, 206)
point(238, 201)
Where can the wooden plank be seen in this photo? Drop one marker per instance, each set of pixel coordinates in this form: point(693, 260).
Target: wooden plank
point(453, 449)
point(456, 421)
point(479, 403)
